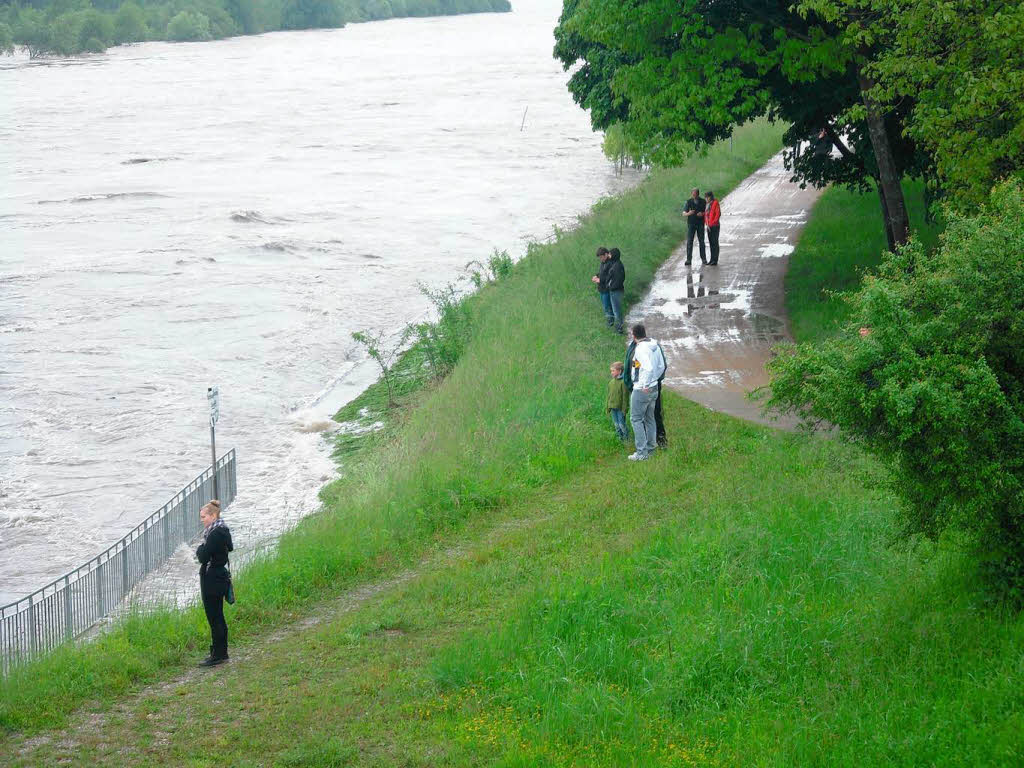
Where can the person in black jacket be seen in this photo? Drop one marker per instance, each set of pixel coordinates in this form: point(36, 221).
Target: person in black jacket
point(693, 212)
point(214, 579)
point(659, 420)
point(615, 282)
point(599, 281)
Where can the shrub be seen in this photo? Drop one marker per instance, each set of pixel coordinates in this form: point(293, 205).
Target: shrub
point(929, 374)
point(96, 31)
point(6, 39)
point(129, 24)
point(189, 26)
point(312, 14)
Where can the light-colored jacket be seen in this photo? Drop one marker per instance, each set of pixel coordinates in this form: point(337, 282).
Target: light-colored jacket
point(648, 364)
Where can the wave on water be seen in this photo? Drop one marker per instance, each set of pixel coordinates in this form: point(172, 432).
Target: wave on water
point(255, 217)
point(141, 160)
point(277, 246)
point(108, 196)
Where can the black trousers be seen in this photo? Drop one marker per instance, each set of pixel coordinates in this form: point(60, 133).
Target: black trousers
point(659, 422)
point(713, 242)
point(699, 232)
point(213, 604)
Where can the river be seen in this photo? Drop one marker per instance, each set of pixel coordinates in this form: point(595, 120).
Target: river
point(175, 216)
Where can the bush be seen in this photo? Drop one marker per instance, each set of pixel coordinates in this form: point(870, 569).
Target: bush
point(129, 24)
point(312, 14)
point(929, 374)
point(6, 39)
point(96, 31)
point(189, 26)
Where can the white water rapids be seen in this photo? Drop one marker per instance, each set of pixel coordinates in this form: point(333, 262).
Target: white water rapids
point(179, 215)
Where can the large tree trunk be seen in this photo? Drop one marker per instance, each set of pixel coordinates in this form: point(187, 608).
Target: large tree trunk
point(889, 237)
point(889, 180)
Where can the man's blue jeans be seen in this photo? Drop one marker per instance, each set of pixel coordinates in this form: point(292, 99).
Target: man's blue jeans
point(606, 302)
point(616, 298)
point(641, 413)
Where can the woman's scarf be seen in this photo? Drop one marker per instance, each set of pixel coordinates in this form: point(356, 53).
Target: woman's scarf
point(218, 523)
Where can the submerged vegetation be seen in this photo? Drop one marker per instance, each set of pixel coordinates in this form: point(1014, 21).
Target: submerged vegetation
point(66, 27)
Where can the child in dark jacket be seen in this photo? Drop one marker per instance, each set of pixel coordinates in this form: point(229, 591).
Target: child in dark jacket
point(617, 401)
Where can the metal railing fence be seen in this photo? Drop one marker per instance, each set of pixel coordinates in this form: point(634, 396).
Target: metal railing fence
point(67, 607)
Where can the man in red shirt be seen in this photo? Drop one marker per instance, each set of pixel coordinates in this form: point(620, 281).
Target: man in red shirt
point(713, 222)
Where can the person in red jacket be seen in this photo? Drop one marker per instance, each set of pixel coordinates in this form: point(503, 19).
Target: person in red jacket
point(713, 223)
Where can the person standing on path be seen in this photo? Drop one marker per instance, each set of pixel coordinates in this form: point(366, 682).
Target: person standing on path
point(713, 222)
point(694, 213)
point(602, 288)
point(215, 580)
point(615, 282)
point(648, 366)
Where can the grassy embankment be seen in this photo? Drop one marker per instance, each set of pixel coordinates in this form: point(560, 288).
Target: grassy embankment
point(445, 462)
point(843, 240)
point(734, 601)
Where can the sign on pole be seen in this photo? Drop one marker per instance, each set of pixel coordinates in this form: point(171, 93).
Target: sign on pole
point(213, 395)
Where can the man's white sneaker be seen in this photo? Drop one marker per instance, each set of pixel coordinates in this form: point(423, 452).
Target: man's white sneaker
point(636, 457)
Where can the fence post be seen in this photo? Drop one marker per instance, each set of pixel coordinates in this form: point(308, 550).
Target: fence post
point(167, 532)
point(124, 567)
point(145, 549)
point(69, 618)
point(32, 634)
point(99, 587)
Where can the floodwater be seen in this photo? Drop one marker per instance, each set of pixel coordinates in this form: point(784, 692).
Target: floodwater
point(176, 216)
point(718, 324)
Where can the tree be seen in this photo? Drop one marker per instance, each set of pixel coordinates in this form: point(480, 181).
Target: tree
point(929, 375)
point(95, 31)
point(962, 65)
point(687, 72)
point(312, 14)
point(243, 12)
point(189, 26)
point(129, 24)
point(6, 39)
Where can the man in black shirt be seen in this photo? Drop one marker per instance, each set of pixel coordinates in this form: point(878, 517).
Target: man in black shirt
point(694, 213)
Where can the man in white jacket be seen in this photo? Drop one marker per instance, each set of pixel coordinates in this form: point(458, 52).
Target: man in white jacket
point(648, 366)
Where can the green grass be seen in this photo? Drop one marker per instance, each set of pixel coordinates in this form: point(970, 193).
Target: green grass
point(710, 607)
point(843, 239)
point(517, 413)
point(534, 599)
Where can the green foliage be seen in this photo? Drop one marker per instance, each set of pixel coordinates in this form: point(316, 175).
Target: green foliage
point(96, 30)
point(617, 147)
point(840, 243)
point(189, 26)
point(962, 62)
point(67, 27)
point(6, 38)
point(929, 374)
point(312, 14)
point(130, 24)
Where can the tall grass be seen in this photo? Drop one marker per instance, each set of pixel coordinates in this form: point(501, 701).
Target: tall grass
point(518, 411)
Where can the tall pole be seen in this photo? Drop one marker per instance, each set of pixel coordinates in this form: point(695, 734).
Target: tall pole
point(213, 396)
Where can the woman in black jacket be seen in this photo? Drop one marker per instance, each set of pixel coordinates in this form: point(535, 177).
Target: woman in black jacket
point(214, 579)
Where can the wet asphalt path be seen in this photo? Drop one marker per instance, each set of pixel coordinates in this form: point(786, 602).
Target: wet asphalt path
point(718, 324)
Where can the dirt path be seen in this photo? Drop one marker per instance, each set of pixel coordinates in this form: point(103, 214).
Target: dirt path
point(718, 324)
